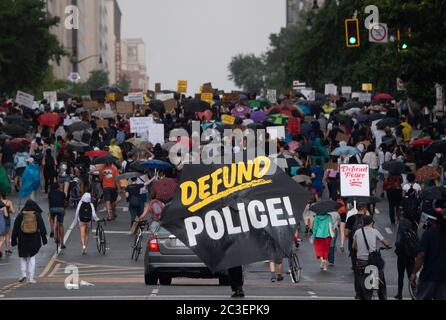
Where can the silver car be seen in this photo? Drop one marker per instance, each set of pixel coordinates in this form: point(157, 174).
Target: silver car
point(166, 257)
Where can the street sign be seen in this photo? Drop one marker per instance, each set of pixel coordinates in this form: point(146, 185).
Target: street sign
point(378, 33)
point(367, 87)
point(74, 77)
point(182, 86)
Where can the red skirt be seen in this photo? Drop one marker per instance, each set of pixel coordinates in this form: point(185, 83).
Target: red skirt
point(322, 247)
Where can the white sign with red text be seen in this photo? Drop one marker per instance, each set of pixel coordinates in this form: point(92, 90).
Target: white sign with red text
point(355, 180)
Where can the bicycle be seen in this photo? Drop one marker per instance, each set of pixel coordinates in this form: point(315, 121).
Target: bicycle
point(137, 243)
point(101, 242)
point(96, 190)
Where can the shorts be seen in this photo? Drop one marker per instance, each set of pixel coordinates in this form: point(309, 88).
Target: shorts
point(343, 217)
point(63, 179)
point(110, 194)
point(59, 213)
point(19, 171)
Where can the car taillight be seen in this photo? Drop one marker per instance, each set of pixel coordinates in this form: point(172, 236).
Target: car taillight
point(153, 244)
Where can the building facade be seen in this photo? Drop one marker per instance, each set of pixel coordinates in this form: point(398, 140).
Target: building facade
point(294, 9)
point(133, 63)
point(93, 43)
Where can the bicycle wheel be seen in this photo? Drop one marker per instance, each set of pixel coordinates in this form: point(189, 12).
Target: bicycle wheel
point(103, 242)
point(295, 268)
point(135, 245)
point(98, 238)
point(138, 247)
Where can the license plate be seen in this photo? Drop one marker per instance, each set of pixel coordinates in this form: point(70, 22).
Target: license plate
point(179, 243)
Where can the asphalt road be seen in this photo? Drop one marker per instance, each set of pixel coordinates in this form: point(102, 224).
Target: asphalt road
point(116, 276)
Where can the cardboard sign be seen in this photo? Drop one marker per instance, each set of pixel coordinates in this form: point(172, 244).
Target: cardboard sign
point(342, 137)
point(140, 124)
point(227, 119)
point(25, 99)
point(207, 88)
point(182, 86)
point(231, 97)
point(91, 105)
point(157, 87)
point(355, 180)
point(102, 123)
point(123, 107)
point(170, 104)
point(208, 97)
point(366, 143)
point(331, 165)
point(367, 87)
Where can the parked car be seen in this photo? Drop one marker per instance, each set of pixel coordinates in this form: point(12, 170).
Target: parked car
point(166, 257)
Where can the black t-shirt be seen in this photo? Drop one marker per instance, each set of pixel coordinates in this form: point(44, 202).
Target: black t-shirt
point(304, 171)
point(56, 199)
point(7, 154)
point(83, 163)
point(433, 244)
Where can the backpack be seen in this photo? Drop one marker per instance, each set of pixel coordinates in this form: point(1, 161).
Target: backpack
point(411, 243)
point(29, 222)
point(38, 156)
point(411, 204)
point(85, 212)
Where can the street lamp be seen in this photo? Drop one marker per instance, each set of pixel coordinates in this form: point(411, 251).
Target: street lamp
point(315, 5)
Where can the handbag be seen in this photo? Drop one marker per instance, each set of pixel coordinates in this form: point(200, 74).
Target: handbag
point(375, 258)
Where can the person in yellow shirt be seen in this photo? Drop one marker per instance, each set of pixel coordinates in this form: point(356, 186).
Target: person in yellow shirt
point(407, 130)
point(115, 150)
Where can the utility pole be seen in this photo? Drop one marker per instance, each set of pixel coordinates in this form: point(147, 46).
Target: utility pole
point(75, 44)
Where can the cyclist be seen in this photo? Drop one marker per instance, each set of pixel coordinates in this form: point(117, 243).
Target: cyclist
point(365, 242)
point(56, 201)
point(85, 212)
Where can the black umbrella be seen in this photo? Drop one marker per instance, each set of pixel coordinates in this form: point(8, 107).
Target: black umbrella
point(77, 146)
point(388, 122)
point(157, 106)
point(325, 206)
point(292, 162)
point(192, 106)
point(16, 119)
point(342, 117)
point(215, 228)
point(14, 130)
point(376, 116)
point(395, 167)
point(103, 159)
point(438, 146)
point(298, 94)
point(128, 175)
point(79, 126)
point(312, 151)
point(353, 104)
point(434, 193)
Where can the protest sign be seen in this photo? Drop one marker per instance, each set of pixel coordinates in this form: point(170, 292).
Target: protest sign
point(90, 105)
point(355, 180)
point(226, 119)
point(309, 94)
point(111, 96)
point(208, 97)
point(271, 95)
point(331, 165)
point(207, 88)
point(367, 87)
point(50, 96)
point(165, 96)
point(342, 137)
point(356, 95)
point(232, 215)
point(24, 99)
point(140, 124)
point(102, 123)
point(277, 132)
point(123, 107)
point(346, 90)
point(156, 133)
point(331, 89)
point(170, 104)
point(136, 97)
point(365, 97)
point(182, 86)
point(231, 97)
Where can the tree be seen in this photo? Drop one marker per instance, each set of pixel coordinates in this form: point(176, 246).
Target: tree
point(124, 83)
point(26, 44)
point(247, 72)
point(98, 79)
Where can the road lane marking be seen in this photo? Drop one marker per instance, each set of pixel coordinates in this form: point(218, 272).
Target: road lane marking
point(5, 264)
point(389, 231)
point(56, 268)
point(154, 293)
point(117, 232)
point(56, 254)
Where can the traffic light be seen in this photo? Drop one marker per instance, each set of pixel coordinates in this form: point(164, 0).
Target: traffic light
point(403, 39)
point(352, 39)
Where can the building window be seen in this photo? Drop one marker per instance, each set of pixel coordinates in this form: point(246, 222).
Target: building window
point(132, 52)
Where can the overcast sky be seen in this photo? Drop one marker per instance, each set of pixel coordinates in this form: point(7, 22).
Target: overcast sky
point(194, 40)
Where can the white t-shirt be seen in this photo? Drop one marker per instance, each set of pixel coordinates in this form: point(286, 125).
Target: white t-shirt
point(415, 186)
point(372, 235)
point(378, 134)
point(371, 159)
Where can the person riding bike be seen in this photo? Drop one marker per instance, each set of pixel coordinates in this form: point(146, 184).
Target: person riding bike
point(365, 243)
point(56, 202)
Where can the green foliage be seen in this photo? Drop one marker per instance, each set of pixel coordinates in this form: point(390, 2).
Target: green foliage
point(124, 83)
point(247, 72)
point(98, 79)
point(26, 45)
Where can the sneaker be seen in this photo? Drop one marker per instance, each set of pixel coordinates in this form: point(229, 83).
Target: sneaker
point(63, 246)
point(307, 229)
point(1, 254)
point(238, 294)
point(84, 251)
point(324, 268)
point(8, 253)
point(279, 277)
point(33, 281)
point(273, 279)
point(22, 279)
point(377, 211)
point(399, 297)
